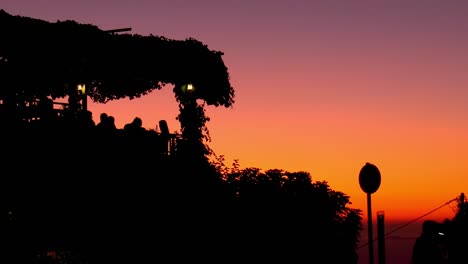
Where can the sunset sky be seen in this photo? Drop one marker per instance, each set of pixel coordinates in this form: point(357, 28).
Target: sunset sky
point(321, 86)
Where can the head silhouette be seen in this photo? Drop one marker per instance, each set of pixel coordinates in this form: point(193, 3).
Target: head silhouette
point(103, 117)
point(137, 122)
point(430, 227)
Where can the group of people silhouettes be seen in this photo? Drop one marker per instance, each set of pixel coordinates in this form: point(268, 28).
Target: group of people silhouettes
point(106, 122)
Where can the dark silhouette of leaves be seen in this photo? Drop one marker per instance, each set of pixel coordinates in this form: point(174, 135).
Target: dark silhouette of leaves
point(56, 56)
point(81, 195)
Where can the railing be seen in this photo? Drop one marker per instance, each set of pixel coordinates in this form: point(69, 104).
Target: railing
point(36, 110)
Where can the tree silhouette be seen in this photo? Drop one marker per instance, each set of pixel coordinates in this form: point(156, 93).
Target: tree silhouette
point(289, 214)
point(458, 232)
point(444, 241)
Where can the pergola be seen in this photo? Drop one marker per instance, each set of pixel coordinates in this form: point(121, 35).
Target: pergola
point(43, 59)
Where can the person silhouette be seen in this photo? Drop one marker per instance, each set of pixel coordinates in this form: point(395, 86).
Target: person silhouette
point(46, 110)
point(106, 124)
point(102, 120)
point(106, 131)
point(428, 247)
point(111, 122)
point(135, 127)
point(134, 132)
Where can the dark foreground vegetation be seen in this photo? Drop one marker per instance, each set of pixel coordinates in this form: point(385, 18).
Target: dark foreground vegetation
point(444, 242)
point(79, 196)
point(72, 193)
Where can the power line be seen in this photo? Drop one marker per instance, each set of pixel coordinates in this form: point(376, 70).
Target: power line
point(414, 220)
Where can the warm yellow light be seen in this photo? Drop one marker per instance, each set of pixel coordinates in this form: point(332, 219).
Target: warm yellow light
point(187, 88)
point(81, 88)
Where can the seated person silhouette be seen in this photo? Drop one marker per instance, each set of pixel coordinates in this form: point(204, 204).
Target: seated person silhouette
point(134, 131)
point(135, 126)
point(165, 136)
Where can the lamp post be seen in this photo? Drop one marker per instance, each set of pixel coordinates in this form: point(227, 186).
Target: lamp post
point(82, 93)
point(190, 120)
point(369, 180)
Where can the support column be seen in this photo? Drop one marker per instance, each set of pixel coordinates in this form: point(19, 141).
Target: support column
point(369, 229)
point(381, 236)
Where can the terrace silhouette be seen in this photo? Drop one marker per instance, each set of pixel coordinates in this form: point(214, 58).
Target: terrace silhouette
point(78, 193)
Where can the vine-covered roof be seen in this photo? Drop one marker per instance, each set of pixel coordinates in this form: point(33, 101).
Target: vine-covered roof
point(40, 58)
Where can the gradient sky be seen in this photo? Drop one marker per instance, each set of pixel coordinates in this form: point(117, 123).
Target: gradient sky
point(321, 86)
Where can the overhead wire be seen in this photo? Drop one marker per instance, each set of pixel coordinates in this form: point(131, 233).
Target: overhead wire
point(414, 220)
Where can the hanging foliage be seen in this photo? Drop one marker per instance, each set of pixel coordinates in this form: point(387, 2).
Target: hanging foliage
point(43, 58)
point(40, 58)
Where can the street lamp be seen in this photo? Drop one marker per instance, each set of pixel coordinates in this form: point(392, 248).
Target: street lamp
point(82, 92)
point(187, 88)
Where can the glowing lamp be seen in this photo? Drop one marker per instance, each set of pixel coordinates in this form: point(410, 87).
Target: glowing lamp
point(81, 88)
point(187, 88)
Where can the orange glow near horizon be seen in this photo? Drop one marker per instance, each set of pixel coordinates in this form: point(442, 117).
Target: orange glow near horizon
point(415, 156)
